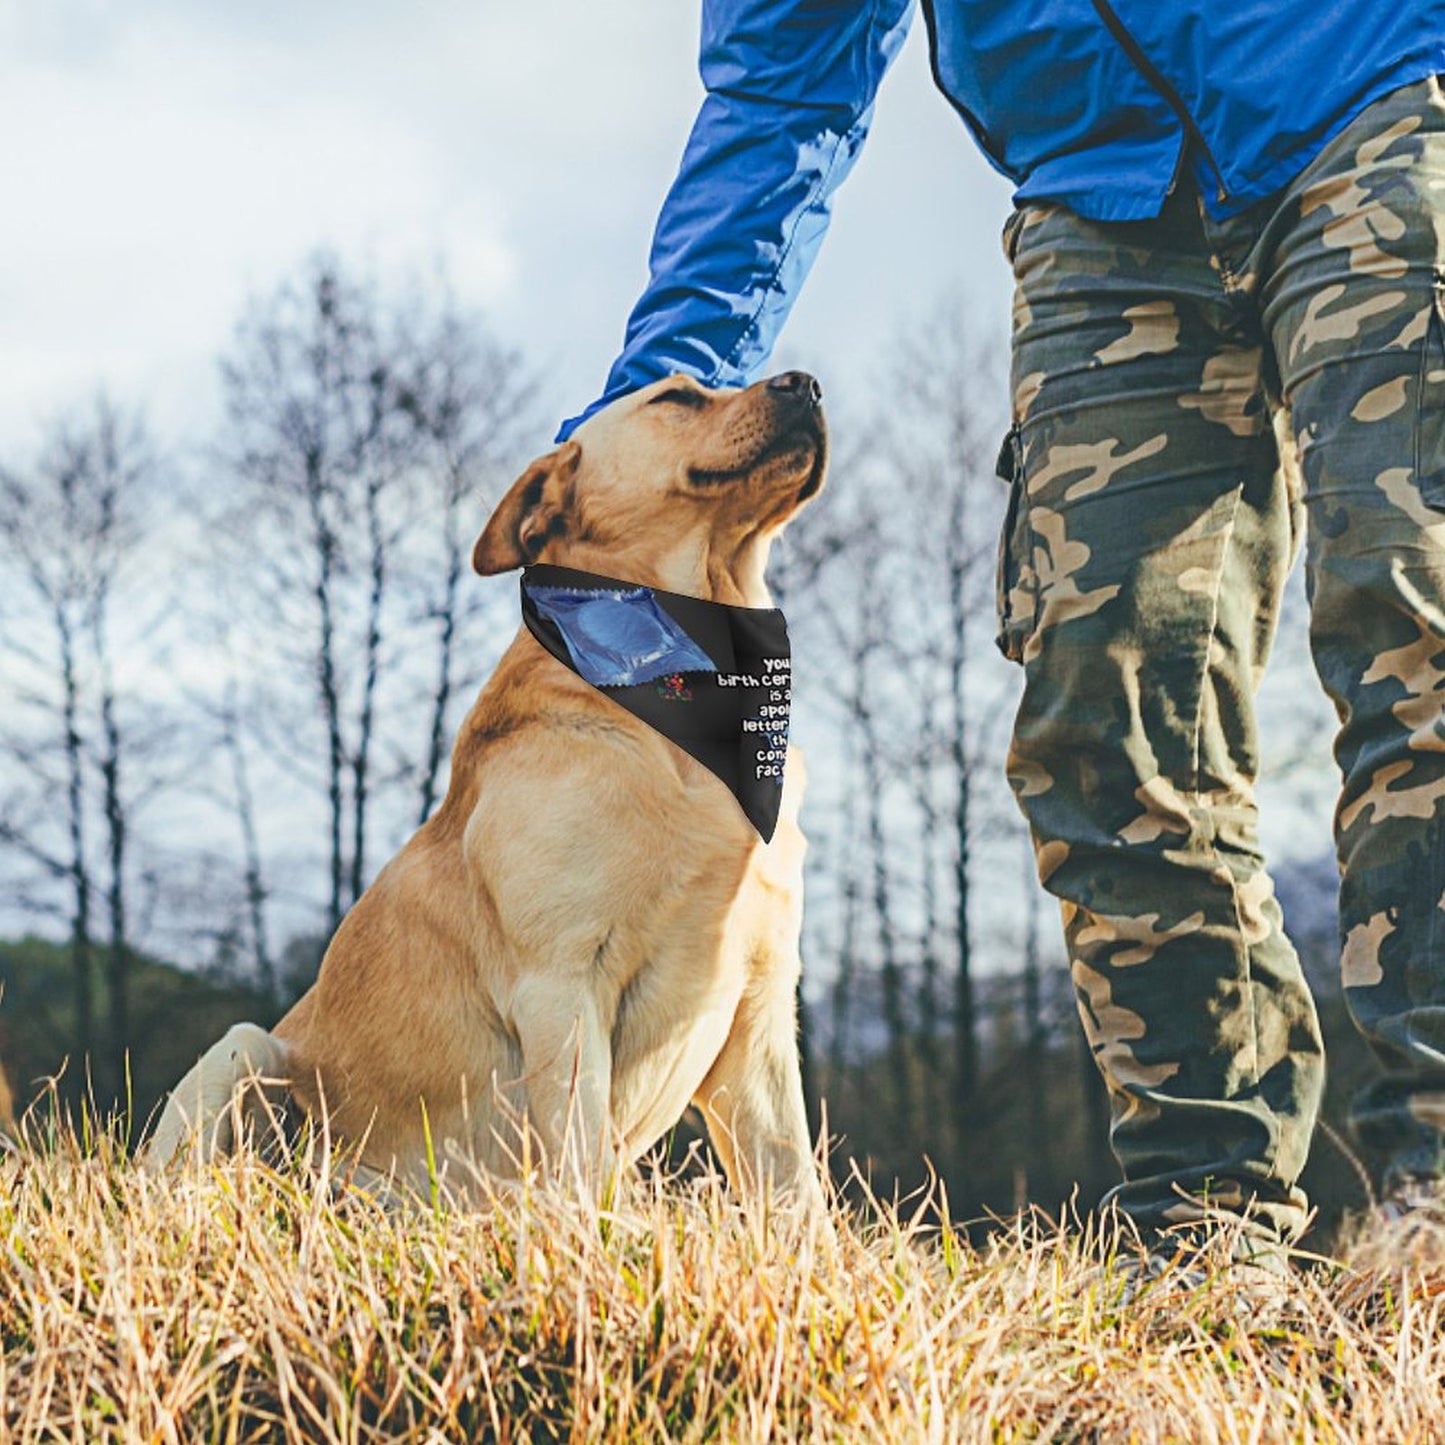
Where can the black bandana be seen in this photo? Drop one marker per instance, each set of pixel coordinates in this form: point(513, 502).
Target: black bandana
point(712, 678)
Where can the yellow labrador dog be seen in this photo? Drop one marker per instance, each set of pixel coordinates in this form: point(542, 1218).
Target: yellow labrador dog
point(588, 935)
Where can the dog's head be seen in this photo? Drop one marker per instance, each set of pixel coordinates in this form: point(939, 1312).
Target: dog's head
point(676, 486)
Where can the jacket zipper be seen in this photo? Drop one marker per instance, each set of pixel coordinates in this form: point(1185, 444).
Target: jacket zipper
point(1155, 77)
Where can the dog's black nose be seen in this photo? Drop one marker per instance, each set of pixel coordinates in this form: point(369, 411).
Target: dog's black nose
point(797, 384)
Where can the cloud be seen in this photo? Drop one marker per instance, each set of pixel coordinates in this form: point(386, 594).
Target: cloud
point(178, 156)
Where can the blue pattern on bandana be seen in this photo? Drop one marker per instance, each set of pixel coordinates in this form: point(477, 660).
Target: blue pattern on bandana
point(619, 639)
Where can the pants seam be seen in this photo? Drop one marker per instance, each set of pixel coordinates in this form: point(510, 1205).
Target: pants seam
point(1271, 1154)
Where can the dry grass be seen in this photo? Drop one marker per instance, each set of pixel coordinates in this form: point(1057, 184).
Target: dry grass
point(244, 1303)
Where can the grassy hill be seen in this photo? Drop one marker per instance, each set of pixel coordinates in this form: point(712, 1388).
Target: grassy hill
point(240, 1303)
point(249, 1303)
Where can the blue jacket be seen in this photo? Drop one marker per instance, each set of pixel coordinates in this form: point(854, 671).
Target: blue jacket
point(1097, 104)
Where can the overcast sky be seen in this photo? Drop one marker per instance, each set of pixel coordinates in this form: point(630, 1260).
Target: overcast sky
point(165, 158)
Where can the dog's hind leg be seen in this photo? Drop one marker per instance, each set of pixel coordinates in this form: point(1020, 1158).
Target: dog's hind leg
point(210, 1105)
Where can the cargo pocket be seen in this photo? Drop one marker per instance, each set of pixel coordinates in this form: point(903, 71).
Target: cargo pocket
point(1015, 582)
point(1430, 410)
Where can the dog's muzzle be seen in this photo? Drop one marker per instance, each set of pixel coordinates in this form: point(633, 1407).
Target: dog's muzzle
point(797, 386)
point(801, 398)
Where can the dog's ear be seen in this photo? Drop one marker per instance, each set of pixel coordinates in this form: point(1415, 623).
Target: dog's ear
point(533, 512)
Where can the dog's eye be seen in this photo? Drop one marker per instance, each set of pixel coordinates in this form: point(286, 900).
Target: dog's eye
point(681, 396)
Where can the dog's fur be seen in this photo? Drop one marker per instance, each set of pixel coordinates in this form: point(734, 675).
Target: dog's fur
point(588, 935)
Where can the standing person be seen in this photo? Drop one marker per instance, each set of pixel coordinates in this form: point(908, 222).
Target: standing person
point(1223, 211)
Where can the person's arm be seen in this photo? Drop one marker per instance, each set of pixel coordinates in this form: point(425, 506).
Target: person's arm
point(790, 89)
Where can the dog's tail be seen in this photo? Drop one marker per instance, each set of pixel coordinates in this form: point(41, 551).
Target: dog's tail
point(238, 1086)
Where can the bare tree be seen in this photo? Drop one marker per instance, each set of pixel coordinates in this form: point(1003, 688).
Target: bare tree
point(70, 526)
point(854, 620)
point(367, 432)
point(901, 610)
point(118, 461)
point(931, 838)
point(874, 780)
point(941, 441)
point(846, 963)
point(472, 401)
point(309, 396)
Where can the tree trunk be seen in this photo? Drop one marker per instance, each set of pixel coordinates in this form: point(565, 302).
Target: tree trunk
point(895, 1014)
point(255, 883)
point(842, 991)
point(928, 974)
point(965, 1027)
point(118, 956)
point(361, 761)
point(325, 543)
point(441, 700)
point(1039, 1148)
point(80, 946)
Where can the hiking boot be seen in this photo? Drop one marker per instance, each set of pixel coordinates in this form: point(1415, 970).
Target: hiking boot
point(1247, 1279)
point(1406, 1228)
point(1414, 1200)
point(1157, 1276)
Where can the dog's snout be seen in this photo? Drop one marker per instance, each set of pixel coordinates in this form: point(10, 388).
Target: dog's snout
point(798, 385)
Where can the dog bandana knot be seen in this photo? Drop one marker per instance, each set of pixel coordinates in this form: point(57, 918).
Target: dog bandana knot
point(712, 678)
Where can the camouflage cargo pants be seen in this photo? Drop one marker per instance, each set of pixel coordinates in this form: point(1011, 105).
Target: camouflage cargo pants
point(1150, 533)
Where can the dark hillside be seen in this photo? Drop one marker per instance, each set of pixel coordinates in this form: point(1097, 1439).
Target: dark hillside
point(174, 1016)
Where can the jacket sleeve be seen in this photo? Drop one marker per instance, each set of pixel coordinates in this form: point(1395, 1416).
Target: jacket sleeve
point(790, 89)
